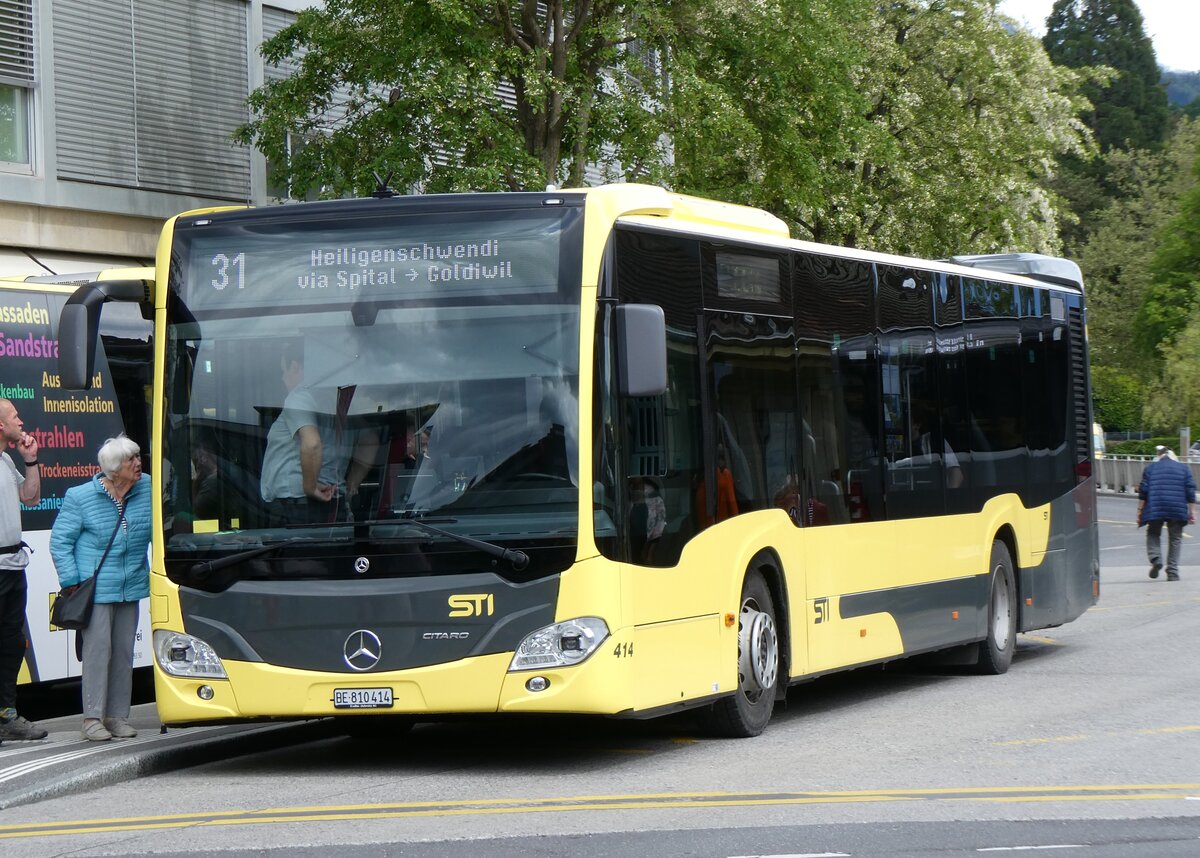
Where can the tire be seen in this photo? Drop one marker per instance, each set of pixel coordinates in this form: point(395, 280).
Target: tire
point(996, 650)
point(746, 712)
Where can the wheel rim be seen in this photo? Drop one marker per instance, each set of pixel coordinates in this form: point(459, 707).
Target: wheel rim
point(758, 652)
point(1001, 609)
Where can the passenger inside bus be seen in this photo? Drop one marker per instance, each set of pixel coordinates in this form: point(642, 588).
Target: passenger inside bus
point(308, 453)
point(727, 505)
point(647, 518)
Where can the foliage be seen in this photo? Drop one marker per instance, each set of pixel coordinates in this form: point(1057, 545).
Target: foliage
point(1175, 273)
point(1143, 447)
point(915, 126)
point(1117, 399)
point(447, 94)
point(761, 101)
point(1117, 254)
point(1131, 112)
point(1130, 106)
point(1175, 399)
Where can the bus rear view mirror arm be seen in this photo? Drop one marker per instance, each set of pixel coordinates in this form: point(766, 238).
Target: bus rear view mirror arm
point(641, 332)
point(79, 327)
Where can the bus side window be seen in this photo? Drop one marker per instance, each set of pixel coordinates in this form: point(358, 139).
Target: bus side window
point(838, 374)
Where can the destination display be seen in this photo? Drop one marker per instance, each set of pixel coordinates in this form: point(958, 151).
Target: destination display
point(745, 277)
point(394, 259)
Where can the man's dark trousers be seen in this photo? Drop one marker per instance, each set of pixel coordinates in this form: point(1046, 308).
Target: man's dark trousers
point(13, 592)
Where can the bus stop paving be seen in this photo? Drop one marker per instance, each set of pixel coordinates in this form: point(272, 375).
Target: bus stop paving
point(65, 763)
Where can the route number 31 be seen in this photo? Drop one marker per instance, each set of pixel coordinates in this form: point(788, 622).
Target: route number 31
point(223, 264)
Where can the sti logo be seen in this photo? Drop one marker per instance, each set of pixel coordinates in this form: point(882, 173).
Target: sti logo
point(471, 605)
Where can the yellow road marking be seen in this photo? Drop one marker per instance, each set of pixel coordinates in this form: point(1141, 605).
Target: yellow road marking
point(649, 801)
point(1043, 741)
point(1040, 639)
point(1050, 740)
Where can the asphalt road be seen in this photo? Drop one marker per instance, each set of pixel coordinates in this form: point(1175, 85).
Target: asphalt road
point(1087, 746)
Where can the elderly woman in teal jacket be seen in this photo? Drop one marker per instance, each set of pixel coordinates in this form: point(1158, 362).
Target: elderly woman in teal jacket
point(117, 499)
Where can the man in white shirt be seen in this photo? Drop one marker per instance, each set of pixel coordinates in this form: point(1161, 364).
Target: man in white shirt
point(18, 485)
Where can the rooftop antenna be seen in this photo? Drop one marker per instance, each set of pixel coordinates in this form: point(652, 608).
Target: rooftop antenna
point(382, 190)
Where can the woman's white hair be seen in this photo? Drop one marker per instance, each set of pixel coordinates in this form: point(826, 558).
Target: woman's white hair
point(115, 452)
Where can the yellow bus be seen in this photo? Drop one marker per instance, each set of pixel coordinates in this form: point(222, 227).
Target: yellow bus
point(70, 427)
point(612, 451)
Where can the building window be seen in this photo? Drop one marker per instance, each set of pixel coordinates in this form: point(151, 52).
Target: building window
point(155, 105)
point(16, 79)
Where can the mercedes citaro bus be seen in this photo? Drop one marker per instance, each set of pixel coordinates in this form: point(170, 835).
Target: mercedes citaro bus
point(610, 451)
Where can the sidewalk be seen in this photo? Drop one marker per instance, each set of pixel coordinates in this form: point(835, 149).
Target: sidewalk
point(65, 763)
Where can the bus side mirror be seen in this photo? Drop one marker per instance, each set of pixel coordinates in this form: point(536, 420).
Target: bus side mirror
point(79, 327)
point(641, 331)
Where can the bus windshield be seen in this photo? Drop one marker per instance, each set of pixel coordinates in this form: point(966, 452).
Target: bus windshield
point(332, 376)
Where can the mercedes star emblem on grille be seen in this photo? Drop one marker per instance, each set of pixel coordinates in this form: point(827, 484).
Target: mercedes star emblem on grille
point(362, 650)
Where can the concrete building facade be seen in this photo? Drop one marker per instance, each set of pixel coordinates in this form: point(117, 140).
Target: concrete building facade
point(117, 114)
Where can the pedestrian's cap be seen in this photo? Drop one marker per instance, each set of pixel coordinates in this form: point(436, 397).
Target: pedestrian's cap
point(1160, 449)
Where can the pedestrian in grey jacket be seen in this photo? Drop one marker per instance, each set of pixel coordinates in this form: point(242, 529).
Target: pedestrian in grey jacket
point(1166, 494)
point(113, 504)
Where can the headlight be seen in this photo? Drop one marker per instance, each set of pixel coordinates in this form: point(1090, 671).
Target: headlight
point(561, 644)
point(183, 655)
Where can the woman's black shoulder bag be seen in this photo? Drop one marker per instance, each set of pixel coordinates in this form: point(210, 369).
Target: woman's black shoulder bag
point(73, 605)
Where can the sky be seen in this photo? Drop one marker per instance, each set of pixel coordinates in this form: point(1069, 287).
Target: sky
point(1172, 25)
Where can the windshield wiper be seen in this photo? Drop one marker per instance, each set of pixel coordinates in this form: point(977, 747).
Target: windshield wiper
point(207, 567)
point(515, 556)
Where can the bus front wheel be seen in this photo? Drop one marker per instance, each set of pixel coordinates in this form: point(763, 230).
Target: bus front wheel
point(996, 650)
point(745, 712)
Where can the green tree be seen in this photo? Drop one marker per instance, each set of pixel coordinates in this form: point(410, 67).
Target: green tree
point(1129, 103)
point(1171, 299)
point(1117, 399)
point(915, 126)
point(1131, 112)
point(918, 126)
point(760, 100)
point(449, 94)
point(1174, 398)
point(1117, 256)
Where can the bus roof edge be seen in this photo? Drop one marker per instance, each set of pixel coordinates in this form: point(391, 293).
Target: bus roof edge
point(1052, 269)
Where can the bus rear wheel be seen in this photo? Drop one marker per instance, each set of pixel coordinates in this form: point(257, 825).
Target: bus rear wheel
point(996, 650)
point(746, 712)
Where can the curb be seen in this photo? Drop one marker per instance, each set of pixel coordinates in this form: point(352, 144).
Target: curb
point(215, 746)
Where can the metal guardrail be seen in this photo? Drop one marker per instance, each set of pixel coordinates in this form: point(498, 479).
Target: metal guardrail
point(1123, 473)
